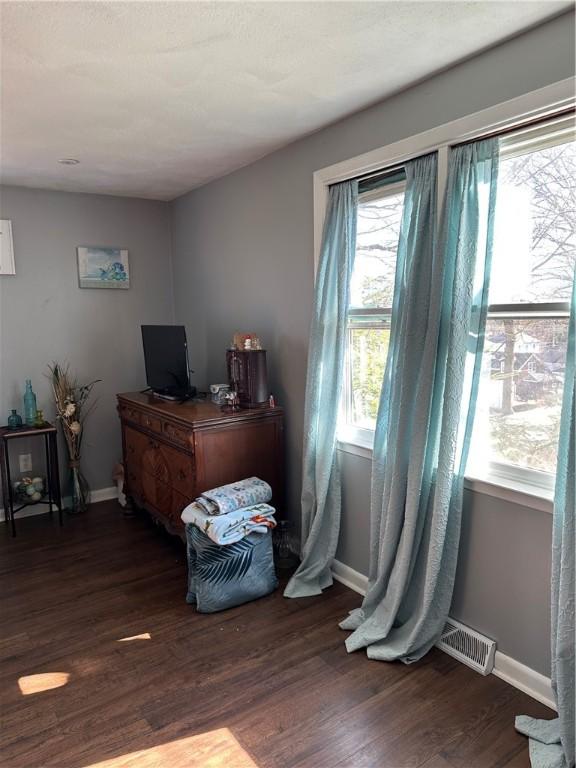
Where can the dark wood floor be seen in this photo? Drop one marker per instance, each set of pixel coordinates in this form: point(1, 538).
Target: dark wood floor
point(265, 685)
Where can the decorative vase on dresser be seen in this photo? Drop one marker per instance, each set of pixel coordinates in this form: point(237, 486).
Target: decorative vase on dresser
point(174, 452)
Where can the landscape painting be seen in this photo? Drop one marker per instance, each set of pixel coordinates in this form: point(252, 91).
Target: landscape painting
point(102, 267)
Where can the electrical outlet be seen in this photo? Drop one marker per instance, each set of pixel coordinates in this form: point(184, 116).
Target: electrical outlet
point(25, 460)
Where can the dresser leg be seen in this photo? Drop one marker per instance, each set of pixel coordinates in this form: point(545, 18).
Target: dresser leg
point(130, 509)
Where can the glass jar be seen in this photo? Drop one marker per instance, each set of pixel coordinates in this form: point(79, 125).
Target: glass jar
point(285, 545)
point(14, 420)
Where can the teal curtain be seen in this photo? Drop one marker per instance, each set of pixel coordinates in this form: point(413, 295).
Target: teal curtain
point(427, 403)
point(552, 741)
point(321, 475)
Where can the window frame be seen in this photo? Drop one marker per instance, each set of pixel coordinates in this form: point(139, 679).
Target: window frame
point(347, 430)
point(545, 103)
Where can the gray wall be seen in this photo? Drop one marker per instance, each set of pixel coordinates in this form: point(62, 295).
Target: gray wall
point(243, 260)
point(503, 578)
point(45, 316)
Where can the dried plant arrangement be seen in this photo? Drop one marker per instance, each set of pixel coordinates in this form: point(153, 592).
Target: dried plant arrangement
point(71, 399)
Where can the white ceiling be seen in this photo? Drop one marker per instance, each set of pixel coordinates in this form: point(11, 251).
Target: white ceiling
point(155, 98)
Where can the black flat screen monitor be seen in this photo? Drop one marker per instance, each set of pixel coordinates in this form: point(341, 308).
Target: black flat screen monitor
point(166, 360)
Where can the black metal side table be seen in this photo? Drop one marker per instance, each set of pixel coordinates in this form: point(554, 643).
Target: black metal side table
point(52, 495)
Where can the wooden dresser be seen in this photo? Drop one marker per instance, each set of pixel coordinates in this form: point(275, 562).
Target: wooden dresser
point(173, 452)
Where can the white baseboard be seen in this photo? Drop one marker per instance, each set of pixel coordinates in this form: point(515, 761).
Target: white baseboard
point(349, 577)
point(524, 678)
point(101, 494)
point(515, 673)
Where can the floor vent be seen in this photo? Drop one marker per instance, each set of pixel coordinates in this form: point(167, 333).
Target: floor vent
point(468, 646)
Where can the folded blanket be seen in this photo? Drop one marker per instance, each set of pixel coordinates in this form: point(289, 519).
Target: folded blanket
point(229, 528)
point(227, 498)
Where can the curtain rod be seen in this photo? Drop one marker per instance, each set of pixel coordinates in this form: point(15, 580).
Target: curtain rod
point(383, 172)
point(529, 123)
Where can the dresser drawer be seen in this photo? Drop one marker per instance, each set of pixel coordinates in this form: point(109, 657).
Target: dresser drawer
point(133, 480)
point(181, 469)
point(151, 423)
point(164, 501)
point(154, 462)
point(157, 495)
point(178, 435)
point(136, 443)
point(159, 461)
point(130, 414)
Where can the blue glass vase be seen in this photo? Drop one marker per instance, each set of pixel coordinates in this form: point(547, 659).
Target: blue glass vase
point(78, 488)
point(14, 420)
point(29, 405)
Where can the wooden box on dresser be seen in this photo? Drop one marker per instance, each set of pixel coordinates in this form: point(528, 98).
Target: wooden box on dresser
point(173, 452)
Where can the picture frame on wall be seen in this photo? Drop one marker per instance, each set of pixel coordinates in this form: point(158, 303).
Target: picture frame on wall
point(103, 267)
point(7, 264)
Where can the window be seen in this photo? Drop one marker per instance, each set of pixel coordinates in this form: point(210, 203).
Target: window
point(517, 421)
point(518, 413)
point(372, 288)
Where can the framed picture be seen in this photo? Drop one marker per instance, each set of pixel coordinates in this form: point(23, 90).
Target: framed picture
point(7, 266)
point(103, 267)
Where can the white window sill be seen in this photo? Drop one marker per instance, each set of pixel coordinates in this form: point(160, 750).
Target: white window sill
point(525, 494)
point(522, 493)
point(358, 447)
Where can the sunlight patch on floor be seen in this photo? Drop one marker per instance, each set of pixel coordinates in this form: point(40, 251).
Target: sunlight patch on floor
point(47, 681)
point(143, 636)
point(214, 749)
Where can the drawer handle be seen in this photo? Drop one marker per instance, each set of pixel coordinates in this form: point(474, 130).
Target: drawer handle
point(181, 474)
point(131, 449)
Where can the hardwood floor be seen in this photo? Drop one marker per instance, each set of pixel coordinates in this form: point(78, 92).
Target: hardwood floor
point(97, 608)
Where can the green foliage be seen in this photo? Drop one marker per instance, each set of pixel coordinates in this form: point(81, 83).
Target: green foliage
point(369, 349)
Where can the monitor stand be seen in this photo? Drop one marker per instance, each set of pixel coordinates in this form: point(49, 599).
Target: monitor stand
point(176, 396)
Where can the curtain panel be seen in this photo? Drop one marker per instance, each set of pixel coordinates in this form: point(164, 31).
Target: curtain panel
point(321, 498)
point(552, 741)
point(427, 404)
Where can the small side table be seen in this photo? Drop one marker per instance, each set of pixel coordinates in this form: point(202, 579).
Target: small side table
point(52, 495)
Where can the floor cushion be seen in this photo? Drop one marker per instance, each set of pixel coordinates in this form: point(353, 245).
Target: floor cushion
point(221, 577)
